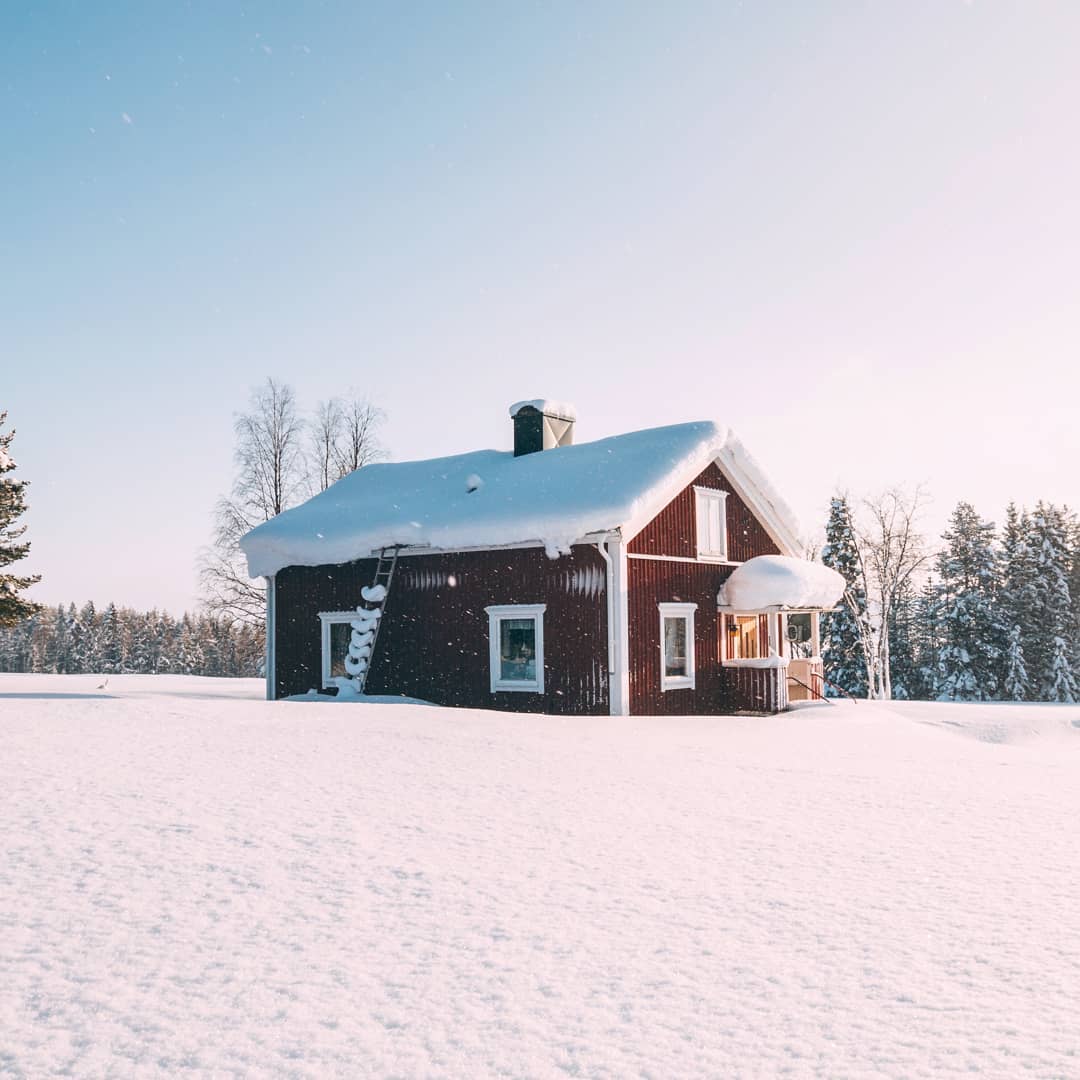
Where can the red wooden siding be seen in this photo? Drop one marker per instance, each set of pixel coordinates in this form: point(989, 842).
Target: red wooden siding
point(434, 640)
point(717, 689)
point(674, 530)
point(651, 583)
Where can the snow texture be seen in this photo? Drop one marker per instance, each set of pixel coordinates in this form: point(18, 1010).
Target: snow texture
point(554, 498)
point(7, 462)
point(562, 409)
point(780, 581)
point(374, 594)
point(198, 883)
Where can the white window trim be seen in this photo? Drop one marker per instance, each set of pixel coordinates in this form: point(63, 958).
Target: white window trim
point(328, 619)
point(678, 682)
point(702, 497)
point(496, 614)
point(771, 660)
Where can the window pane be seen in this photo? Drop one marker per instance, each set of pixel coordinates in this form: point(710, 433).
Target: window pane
point(517, 650)
point(716, 531)
point(744, 641)
point(339, 647)
point(675, 646)
point(798, 635)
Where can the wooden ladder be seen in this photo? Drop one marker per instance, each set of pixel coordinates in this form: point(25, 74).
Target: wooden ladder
point(384, 575)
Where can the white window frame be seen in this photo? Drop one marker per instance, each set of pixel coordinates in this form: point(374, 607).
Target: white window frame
point(689, 680)
point(704, 500)
point(771, 654)
point(328, 619)
point(496, 613)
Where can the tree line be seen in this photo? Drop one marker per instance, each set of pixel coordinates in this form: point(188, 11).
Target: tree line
point(987, 616)
point(120, 640)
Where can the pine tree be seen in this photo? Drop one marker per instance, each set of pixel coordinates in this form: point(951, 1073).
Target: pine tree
point(61, 653)
point(1016, 684)
point(928, 643)
point(903, 636)
point(1048, 653)
point(841, 643)
point(14, 608)
point(970, 629)
point(84, 634)
point(109, 641)
point(1062, 684)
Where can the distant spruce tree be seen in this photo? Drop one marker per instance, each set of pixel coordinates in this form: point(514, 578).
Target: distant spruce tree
point(14, 608)
point(1017, 602)
point(1016, 686)
point(1050, 632)
point(841, 643)
point(927, 630)
point(903, 645)
point(971, 634)
point(1074, 588)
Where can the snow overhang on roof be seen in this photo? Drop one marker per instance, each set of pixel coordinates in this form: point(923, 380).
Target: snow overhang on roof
point(779, 582)
point(490, 499)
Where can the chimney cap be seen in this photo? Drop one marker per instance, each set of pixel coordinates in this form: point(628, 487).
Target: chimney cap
point(561, 409)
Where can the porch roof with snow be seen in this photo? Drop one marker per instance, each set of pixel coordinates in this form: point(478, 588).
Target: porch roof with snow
point(780, 583)
point(490, 499)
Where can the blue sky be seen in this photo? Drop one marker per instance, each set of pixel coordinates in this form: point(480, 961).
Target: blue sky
point(849, 230)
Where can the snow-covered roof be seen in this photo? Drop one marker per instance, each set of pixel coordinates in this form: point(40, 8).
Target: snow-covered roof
point(778, 581)
point(553, 497)
point(562, 409)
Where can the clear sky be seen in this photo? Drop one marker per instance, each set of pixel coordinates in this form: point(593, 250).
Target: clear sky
point(849, 230)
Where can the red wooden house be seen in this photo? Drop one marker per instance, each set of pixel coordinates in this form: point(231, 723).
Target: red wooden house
point(649, 573)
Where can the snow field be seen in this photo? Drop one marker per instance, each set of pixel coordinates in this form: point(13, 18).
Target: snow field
point(197, 882)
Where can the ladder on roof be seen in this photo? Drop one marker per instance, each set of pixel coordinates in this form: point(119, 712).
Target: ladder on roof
point(369, 619)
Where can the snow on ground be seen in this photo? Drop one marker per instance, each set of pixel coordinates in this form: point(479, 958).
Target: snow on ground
point(197, 882)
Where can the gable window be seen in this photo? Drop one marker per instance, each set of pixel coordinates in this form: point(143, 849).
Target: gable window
point(677, 646)
point(711, 523)
point(516, 647)
point(336, 633)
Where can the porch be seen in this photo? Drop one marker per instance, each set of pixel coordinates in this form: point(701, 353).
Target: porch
point(770, 630)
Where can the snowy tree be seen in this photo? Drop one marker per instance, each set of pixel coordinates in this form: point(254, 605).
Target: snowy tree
point(84, 639)
point(841, 641)
point(109, 641)
point(14, 607)
point(1062, 686)
point(1016, 685)
point(971, 634)
point(903, 639)
point(928, 643)
point(1049, 646)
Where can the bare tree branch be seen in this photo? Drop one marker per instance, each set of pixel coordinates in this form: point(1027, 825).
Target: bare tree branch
point(269, 479)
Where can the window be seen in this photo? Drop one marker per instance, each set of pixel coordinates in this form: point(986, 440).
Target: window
point(677, 646)
point(516, 642)
point(711, 523)
point(745, 637)
point(336, 633)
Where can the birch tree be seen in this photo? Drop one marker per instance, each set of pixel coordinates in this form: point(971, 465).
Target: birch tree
point(270, 477)
point(892, 552)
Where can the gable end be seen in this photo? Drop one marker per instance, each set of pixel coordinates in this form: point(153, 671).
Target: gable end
point(673, 531)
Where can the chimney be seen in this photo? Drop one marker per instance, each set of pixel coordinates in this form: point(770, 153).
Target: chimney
point(542, 425)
